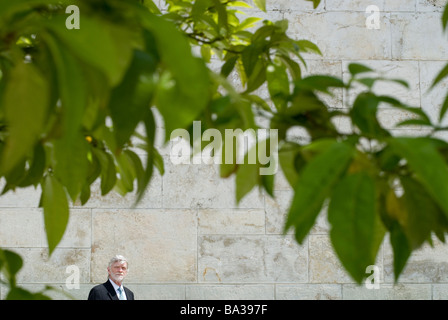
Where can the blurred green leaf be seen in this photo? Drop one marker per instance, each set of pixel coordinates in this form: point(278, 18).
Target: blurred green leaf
point(428, 165)
point(278, 85)
point(25, 117)
point(260, 4)
point(131, 99)
point(401, 249)
point(352, 215)
point(315, 184)
point(108, 171)
point(315, 3)
point(71, 164)
point(56, 211)
point(183, 90)
point(364, 115)
point(71, 86)
point(422, 213)
point(356, 68)
point(112, 51)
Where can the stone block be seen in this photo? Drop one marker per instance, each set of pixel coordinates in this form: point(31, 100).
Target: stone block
point(160, 245)
point(387, 292)
point(251, 259)
point(308, 292)
point(362, 5)
point(418, 36)
point(324, 266)
point(231, 221)
point(21, 227)
point(158, 292)
point(426, 265)
point(200, 186)
point(433, 98)
point(39, 267)
point(342, 35)
point(230, 292)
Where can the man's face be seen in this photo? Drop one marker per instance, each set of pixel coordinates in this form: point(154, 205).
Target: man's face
point(118, 271)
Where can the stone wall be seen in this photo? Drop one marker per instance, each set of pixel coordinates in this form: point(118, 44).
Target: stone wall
point(188, 239)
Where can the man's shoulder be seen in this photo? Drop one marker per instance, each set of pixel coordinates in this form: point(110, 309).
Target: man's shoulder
point(100, 286)
point(99, 291)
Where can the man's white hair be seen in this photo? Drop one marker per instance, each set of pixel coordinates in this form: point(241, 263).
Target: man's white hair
point(118, 258)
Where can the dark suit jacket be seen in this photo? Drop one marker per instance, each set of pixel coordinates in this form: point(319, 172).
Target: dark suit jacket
point(106, 291)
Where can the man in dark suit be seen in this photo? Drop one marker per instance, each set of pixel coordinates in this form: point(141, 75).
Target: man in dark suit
point(113, 288)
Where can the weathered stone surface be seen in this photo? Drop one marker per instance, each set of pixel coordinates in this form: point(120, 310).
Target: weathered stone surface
point(200, 186)
point(426, 265)
point(342, 36)
point(324, 267)
point(159, 244)
point(41, 268)
point(158, 292)
point(433, 97)
point(231, 221)
point(387, 292)
point(21, 227)
point(416, 36)
point(249, 259)
point(308, 292)
point(430, 5)
point(229, 292)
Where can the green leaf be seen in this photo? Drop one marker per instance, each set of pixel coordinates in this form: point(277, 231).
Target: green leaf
point(291, 162)
point(25, 117)
point(56, 211)
point(151, 6)
point(320, 83)
point(401, 249)
point(316, 182)
point(445, 17)
point(440, 76)
point(228, 66)
point(315, 3)
point(111, 52)
point(247, 177)
point(153, 156)
point(10, 264)
point(356, 68)
point(260, 4)
point(108, 170)
point(278, 85)
point(183, 90)
point(139, 170)
point(131, 99)
point(293, 67)
point(257, 77)
point(428, 165)
point(37, 167)
point(127, 172)
point(443, 109)
point(308, 46)
point(364, 115)
point(72, 88)
point(71, 163)
point(352, 214)
point(23, 294)
point(422, 212)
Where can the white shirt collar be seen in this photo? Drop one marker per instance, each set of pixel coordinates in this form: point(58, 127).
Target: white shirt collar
point(116, 286)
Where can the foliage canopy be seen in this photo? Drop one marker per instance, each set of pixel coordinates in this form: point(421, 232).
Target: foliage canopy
point(71, 102)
